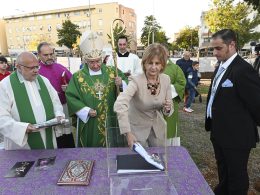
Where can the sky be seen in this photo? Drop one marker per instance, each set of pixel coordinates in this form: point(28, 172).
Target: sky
point(172, 15)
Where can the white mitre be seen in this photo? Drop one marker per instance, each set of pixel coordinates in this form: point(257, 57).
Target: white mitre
point(91, 45)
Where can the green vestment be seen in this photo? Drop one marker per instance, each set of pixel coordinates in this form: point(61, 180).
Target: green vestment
point(97, 92)
point(179, 81)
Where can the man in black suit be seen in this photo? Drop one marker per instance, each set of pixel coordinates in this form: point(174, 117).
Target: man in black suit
point(233, 112)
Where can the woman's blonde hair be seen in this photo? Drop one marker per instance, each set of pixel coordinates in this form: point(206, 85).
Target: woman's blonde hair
point(155, 50)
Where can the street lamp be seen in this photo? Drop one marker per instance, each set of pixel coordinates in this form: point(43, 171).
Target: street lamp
point(152, 28)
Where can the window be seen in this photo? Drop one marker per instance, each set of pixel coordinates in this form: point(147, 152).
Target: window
point(66, 15)
point(77, 13)
point(39, 17)
point(100, 22)
point(49, 27)
point(48, 17)
point(100, 10)
point(58, 15)
point(87, 13)
point(58, 26)
point(88, 24)
point(100, 33)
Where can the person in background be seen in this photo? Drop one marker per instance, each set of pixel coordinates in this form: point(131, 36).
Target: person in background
point(185, 63)
point(178, 81)
point(127, 62)
point(192, 83)
point(91, 94)
point(3, 68)
point(26, 99)
point(59, 77)
point(232, 114)
point(147, 98)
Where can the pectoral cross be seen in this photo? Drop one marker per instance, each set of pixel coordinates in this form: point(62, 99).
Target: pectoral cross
point(99, 93)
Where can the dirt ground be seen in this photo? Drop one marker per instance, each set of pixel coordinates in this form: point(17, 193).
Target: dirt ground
point(196, 140)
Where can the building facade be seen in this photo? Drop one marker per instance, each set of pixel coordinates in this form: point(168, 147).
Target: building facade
point(24, 32)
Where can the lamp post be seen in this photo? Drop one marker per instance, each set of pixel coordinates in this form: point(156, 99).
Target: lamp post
point(152, 28)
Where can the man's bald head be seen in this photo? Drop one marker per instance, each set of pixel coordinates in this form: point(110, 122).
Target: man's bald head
point(27, 64)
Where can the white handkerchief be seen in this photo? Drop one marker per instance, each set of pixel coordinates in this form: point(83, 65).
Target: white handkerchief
point(227, 83)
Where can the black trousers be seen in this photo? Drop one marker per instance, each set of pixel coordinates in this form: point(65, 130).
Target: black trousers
point(65, 141)
point(232, 170)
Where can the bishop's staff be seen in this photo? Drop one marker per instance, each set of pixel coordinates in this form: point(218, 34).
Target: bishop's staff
point(113, 45)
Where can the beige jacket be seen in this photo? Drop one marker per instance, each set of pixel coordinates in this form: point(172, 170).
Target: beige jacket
point(138, 111)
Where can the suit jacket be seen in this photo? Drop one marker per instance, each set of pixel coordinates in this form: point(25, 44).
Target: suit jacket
point(236, 109)
point(138, 111)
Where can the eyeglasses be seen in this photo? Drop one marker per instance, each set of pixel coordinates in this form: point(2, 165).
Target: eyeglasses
point(92, 62)
point(31, 68)
point(48, 54)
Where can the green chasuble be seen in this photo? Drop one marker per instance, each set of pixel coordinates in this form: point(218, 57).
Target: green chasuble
point(26, 112)
point(179, 81)
point(97, 92)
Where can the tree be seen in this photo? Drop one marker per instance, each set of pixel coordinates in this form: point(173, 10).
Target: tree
point(32, 46)
point(150, 29)
point(254, 3)
point(188, 38)
point(68, 34)
point(226, 14)
point(117, 32)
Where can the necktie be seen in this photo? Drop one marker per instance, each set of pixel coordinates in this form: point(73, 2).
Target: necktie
point(213, 91)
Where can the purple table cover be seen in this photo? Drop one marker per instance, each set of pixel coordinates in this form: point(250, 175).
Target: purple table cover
point(183, 172)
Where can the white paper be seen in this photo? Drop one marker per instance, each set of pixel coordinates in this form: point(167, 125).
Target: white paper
point(140, 150)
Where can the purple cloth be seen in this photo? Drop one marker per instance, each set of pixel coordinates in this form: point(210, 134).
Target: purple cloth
point(54, 73)
point(184, 174)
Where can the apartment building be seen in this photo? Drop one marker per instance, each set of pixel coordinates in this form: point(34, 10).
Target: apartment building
point(24, 32)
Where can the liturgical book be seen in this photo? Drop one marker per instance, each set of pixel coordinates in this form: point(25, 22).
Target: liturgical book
point(76, 172)
point(134, 163)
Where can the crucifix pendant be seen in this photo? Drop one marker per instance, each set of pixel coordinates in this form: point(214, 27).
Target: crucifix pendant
point(99, 93)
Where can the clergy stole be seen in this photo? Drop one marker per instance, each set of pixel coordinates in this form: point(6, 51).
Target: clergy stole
point(26, 113)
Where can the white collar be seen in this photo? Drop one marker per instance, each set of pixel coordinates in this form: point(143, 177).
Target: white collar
point(91, 72)
point(228, 62)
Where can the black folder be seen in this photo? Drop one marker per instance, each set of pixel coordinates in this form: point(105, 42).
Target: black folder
point(133, 163)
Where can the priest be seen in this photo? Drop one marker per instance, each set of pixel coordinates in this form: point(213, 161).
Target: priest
point(26, 99)
point(127, 62)
point(178, 81)
point(91, 94)
point(59, 77)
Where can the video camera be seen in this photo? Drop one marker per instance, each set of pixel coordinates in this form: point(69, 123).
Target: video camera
point(257, 46)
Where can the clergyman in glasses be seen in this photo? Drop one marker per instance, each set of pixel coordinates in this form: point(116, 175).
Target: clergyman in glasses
point(26, 99)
